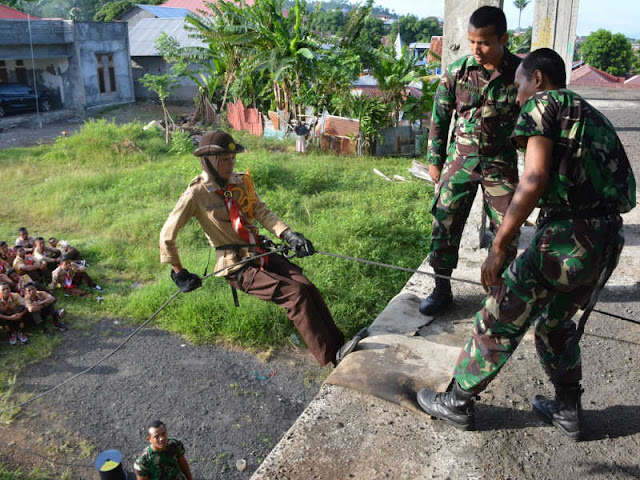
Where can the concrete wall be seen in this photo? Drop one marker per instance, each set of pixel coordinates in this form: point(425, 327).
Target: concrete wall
point(104, 38)
point(456, 25)
point(43, 32)
point(64, 58)
point(185, 92)
point(554, 26)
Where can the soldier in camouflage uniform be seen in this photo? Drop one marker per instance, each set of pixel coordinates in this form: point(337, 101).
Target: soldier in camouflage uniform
point(479, 90)
point(577, 171)
point(163, 459)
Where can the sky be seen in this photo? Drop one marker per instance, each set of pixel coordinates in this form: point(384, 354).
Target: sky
point(617, 16)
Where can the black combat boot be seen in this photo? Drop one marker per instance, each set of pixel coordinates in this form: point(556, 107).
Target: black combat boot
point(454, 406)
point(441, 297)
point(565, 412)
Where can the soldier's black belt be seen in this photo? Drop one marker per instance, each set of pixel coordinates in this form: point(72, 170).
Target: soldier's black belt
point(557, 214)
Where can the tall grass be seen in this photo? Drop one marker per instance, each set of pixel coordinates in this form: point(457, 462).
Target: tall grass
point(109, 189)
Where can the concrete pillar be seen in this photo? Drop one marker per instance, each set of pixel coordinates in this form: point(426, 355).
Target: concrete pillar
point(554, 26)
point(456, 26)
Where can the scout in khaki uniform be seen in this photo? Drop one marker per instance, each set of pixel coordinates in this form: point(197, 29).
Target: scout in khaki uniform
point(226, 206)
point(478, 90)
point(12, 314)
point(577, 172)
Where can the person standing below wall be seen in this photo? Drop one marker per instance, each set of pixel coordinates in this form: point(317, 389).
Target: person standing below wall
point(479, 91)
point(577, 172)
point(301, 137)
point(164, 458)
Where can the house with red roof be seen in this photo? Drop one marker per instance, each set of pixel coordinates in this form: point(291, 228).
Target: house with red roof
point(196, 6)
point(590, 76)
point(8, 13)
point(633, 82)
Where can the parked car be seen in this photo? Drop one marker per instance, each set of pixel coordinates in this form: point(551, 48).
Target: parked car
point(15, 97)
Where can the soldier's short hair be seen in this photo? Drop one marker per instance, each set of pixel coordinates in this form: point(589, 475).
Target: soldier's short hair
point(490, 16)
point(156, 424)
point(549, 63)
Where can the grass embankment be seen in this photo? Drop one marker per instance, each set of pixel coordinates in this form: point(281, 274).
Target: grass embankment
point(109, 189)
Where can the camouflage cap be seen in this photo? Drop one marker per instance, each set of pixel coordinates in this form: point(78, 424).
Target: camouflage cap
point(216, 142)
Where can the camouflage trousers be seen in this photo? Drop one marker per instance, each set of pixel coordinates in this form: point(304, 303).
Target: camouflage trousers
point(454, 198)
point(554, 277)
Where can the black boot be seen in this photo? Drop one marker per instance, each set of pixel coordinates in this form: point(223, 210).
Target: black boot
point(441, 297)
point(454, 406)
point(565, 412)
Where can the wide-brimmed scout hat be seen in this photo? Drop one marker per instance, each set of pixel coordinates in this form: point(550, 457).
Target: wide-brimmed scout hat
point(216, 142)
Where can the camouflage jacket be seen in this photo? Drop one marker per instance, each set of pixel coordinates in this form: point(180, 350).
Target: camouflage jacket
point(161, 465)
point(485, 111)
point(589, 165)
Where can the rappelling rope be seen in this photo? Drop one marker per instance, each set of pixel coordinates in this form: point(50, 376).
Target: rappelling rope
point(455, 279)
point(404, 269)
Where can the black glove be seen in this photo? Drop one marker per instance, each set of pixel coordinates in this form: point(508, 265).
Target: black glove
point(186, 281)
point(301, 245)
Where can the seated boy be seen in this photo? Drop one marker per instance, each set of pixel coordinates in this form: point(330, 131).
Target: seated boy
point(40, 305)
point(7, 254)
point(12, 314)
point(70, 275)
point(25, 240)
point(42, 253)
point(63, 248)
point(25, 264)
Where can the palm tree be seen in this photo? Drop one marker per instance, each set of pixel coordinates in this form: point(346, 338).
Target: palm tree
point(521, 5)
point(394, 76)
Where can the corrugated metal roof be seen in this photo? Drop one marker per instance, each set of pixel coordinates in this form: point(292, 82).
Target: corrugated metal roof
point(142, 37)
point(164, 12)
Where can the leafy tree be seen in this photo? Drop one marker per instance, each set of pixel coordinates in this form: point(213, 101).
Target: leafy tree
point(164, 85)
point(372, 32)
point(520, 42)
point(372, 112)
point(395, 75)
point(521, 5)
point(327, 23)
point(609, 52)
point(414, 29)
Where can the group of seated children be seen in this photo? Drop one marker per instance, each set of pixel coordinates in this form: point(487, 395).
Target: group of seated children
point(29, 271)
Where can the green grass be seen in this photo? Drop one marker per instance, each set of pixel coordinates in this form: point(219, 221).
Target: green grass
point(109, 189)
point(35, 474)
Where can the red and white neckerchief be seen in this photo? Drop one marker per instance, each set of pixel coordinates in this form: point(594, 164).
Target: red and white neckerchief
point(10, 302)
point(68, 280)
point(247, 231)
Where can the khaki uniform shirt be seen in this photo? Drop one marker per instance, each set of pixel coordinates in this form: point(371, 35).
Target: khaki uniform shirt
point(20, 263)
point(60, 274)
point(201, 201)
